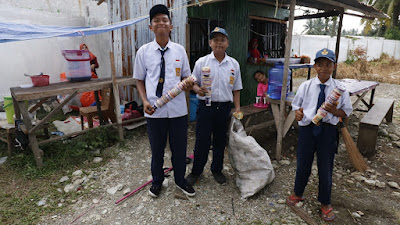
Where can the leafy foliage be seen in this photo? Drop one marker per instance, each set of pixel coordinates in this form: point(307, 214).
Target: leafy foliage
point(321, 26)
point(357, 54)
point(391, 8)
point(393, 34)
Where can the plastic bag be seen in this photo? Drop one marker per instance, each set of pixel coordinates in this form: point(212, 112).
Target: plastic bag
point(250, 161)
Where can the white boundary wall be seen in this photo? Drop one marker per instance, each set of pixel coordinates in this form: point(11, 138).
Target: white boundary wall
point(44, 55)
point(310, 44)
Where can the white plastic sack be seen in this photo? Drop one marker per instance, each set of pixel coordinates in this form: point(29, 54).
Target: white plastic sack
point(250, 161)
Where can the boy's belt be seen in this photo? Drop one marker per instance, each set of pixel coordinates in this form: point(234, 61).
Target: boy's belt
point(323, 124)
point(215, 104)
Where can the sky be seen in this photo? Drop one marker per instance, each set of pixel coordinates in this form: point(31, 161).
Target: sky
point(349, 22)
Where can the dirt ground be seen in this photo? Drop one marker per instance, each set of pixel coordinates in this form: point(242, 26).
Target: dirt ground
point(221, 204)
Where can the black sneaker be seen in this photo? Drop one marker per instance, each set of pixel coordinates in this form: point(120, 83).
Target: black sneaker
point(192, 178)
point(154, 191)
point(219, 177)
point(187, 190)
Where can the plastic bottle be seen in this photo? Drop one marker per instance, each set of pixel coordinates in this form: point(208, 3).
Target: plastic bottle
point(275, 81)
point(206, 78)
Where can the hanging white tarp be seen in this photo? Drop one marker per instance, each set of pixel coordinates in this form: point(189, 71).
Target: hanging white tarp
point(19, 32)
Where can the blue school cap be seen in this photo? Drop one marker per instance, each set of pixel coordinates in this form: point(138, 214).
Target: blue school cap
point(326, 53)
point(218, 30)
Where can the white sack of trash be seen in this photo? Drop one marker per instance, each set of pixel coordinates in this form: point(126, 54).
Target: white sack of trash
point(250, 161)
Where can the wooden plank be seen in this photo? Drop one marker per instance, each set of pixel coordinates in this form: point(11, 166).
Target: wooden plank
point(359, 97)
point(376, 114)
point(288, 122)
point(339, 35)
point(37, 152)
point(64, 88)
point(275, 113)
point(288, 46)
point(259, 126)
point(73, 134)
point(303, 215)
point(37, 105)
point(54, 111)
point(317, 15)
point(116, 98)
point(135, 125)
point(267, 19)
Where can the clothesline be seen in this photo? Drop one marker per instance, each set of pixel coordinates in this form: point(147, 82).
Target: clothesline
point(20, 32)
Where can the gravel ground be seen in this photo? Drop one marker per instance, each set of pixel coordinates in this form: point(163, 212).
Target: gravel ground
point(221, 204)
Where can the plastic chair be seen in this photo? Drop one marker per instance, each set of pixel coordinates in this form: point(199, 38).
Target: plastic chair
point(107, 109)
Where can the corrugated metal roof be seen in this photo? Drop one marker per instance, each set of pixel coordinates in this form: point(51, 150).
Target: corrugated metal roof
point(339, 5)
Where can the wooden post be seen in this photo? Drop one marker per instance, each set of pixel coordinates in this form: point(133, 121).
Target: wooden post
point(288, 46)
point(116, 98)
point(339, 35)
point(37, 152)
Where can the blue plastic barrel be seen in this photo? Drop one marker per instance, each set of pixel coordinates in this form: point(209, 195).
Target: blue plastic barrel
point(275, 78)
point(194, 102)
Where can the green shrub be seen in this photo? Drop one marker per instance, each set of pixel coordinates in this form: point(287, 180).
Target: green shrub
point(393, 33)
point(357, 54)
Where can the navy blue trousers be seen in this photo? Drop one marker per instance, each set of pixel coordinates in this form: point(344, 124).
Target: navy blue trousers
point(325, 147)
point(211, 121)
point(158, 129)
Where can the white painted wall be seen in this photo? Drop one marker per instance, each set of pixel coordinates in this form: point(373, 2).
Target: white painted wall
point(310, 44)
point(44, 55)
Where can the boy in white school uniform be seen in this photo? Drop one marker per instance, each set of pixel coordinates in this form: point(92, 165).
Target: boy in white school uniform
point(322, 139)
point(159, 66)
point(226, 84)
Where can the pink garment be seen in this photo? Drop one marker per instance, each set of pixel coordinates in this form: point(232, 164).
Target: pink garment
point(262, 89)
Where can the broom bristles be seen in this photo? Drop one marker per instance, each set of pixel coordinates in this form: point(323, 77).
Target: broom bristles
point(354, 154)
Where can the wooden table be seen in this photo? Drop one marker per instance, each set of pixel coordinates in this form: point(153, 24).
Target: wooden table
point(299, 66)
point(20, 95)
point(360, 88)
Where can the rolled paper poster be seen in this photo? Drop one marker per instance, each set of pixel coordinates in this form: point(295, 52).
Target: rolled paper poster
point(171, 94)
point(330, 100)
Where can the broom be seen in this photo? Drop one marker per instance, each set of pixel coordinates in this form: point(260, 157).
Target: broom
point(355, 157)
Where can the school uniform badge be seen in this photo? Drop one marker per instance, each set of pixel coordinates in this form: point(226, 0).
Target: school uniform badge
point(232, 77)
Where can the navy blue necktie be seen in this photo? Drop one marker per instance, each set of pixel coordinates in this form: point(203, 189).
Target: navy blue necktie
point(321, 98)
point(162, 74)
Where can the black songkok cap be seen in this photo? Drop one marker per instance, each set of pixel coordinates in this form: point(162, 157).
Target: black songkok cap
point(157, 9)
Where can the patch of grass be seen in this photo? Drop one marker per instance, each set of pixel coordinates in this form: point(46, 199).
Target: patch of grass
point(23, 184)
point(384, 70)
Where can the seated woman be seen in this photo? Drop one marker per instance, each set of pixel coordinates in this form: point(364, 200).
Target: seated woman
point(93, 60)
point(88, 98)
point(253, 53)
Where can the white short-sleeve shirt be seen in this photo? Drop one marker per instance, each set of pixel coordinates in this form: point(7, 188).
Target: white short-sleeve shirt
point(307, 97)
point(225, 77)
point(147, 68)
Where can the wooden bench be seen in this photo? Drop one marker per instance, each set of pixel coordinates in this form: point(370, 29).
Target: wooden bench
point(249, 111)
point(369, 124)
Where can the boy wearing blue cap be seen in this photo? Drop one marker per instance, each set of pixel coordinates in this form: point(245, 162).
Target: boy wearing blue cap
point(159, 66)
point(322, 139)
point(226, 84)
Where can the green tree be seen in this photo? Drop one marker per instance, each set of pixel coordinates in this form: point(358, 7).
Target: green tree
point(321, 26)
point(391, 8)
